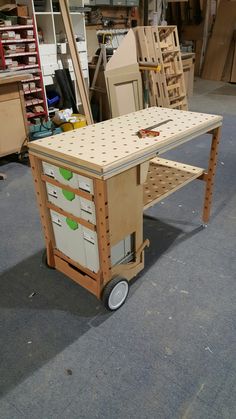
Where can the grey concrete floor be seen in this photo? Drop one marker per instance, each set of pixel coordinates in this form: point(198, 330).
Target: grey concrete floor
point(169, 352)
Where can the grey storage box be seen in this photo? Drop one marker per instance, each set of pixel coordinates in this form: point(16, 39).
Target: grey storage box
point(72, 203)
point(75, 241)
point(119, 2)
point(68, 178)
point(103, 2)
point(132, 2)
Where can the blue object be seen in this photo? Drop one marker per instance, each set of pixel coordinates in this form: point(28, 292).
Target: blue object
point(43, 130)
point(45, 133)
point(52, 98)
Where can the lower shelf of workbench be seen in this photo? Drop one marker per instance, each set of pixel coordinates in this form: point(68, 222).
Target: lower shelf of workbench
point(165, 177)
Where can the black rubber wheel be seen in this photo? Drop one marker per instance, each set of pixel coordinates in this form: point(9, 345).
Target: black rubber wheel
point(115, 293)
point(45, 260)
point(23, 157)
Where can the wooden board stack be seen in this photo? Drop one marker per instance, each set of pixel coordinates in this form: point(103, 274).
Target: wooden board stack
point(159, 45)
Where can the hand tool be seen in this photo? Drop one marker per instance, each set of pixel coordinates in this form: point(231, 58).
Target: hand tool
point(148, 132)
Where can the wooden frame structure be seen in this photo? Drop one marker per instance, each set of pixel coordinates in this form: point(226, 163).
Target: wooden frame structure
point(127, 178)
point(160, 45)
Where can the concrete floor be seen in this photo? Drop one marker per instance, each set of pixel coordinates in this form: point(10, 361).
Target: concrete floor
point(169, 352)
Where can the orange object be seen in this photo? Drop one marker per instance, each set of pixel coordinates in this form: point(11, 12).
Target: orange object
point(147, 133)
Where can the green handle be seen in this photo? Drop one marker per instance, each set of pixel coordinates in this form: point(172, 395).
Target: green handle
point(66, 174)
point(72, 224)
point(68, 195)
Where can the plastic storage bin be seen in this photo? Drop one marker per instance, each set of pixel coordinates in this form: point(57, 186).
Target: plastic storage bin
point(76, 241)
point(67, 177)
point(70, 202)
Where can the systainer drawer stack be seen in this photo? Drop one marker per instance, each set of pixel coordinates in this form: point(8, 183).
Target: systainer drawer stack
point(92, 185)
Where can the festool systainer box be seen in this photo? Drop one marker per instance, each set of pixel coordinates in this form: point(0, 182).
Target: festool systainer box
point(121, 250)
point(70, 202)
point(76, 241)
point(67, 177)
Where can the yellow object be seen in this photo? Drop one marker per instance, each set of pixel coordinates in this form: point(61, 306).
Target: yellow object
point(80, 122)
point(156, 68)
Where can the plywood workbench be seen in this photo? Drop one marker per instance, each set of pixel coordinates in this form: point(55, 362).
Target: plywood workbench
point(98, 180)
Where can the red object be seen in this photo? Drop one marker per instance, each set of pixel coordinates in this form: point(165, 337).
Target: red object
point(143, 133)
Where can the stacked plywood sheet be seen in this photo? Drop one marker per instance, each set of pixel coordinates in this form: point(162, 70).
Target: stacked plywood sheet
point(159, 45)
point(220, 59)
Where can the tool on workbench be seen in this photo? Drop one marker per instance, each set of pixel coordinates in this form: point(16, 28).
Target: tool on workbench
point(148, 132)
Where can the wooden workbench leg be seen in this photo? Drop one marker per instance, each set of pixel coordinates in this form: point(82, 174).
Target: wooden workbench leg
point(102, 219)
point(41, 194)
point(210, 175)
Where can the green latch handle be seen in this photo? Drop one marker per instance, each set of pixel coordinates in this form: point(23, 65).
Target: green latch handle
point(68, 194)
point(72, 224)
point(66, 174)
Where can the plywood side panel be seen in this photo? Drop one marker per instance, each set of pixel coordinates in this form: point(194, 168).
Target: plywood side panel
point(125, 205)
point(12, 132)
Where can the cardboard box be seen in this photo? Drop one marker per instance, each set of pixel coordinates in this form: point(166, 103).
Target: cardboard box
point(30, 47)
point(7, 23)
point(13, 64)
point(8, 35)
point(28, 34)
point(25, 87)
point(19, 10)
point(9, 49)
point(30, 60)
point(25, 20)
point(8, 61)
point(32, 85)
point(13, 9)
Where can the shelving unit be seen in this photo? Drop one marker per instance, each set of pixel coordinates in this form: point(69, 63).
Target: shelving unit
point(11, 60)
point(51, 36)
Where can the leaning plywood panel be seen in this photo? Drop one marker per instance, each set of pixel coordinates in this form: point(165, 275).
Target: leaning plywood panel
point(123, 79)
point(233, 73)
point(124, 91)
point(125, 55)
point(219, 43)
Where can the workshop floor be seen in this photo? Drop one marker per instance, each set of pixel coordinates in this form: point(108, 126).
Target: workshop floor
point(169, 352)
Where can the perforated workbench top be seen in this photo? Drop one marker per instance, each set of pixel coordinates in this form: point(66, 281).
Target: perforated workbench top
point(110, 147)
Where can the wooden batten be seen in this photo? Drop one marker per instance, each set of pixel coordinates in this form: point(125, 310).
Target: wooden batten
point(76, 60)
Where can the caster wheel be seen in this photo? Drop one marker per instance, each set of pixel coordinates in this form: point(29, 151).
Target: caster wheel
point(45, 260)
point(23, 157)
point(115, 293)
